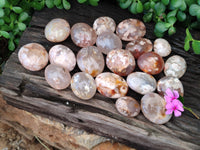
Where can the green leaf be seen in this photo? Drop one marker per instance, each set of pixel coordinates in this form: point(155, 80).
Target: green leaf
point(196, 46)
point(176, 3)
point(190, 2)
point(37, 5)
point(159, 8)
point(1, 22)
point(21, 26)
point(57, 2)
point(165, 2)
point(183, 6)
point(198, 2)
point(187, 45)
point(158, 34)
point(148, 17)
point(23, 16)
point(126, 4)
point(181, 16)
point(93, 2)
point(17, 10)
point(66, 4)
point(2, 3)
point(172, 13)
point(171, 30)
point(1, 12)
point(188, 35)
point(132, 8)
point(49, 3)
point(5, 34)
point(81, 1)
point(171, 20)
point(194, 9)
point(60, 6)
point(181, 99)
point(11, 45)
point(152, 4)
point(147, 6)
point(139, 7)
point(162, 26)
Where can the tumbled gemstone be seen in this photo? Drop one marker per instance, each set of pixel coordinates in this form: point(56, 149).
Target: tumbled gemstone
point(169, 82)
point(108, 41)
point(57, 77)
point(153, 108)
point(139, 46)
point(57, 30)
point(151, 63)
point(120, 62)
point(83, 35)
point(33, 56)
point(141, 82)
point(175, 66)
point(130, 29)
point(103, 24)
point(111, 85)
point(83, 85)
point(162, 47)
point(127, 106)
point(90, 60)
point(62, 56)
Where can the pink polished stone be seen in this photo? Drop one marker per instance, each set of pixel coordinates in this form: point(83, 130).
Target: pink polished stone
point(151, 63)
point(120, 62)
point(130, 29)
point(169, 82)
point(111, 85)
point(90, 60)
point(33, 56)
point(127, 106)
point(62, 56)
point(162, 47)
point(175, 66)
point(153, 108)
point(83, 85)
point(83, 35)
point(103, 24)
point(139, 46)
point(57, 30)
point(57, 77)
point(108, 41)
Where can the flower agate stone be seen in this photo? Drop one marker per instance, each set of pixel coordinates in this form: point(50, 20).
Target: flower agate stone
point(120, 62)
point(83, 35)
point(153, 108)
point(108, 41)
point(83, 85)
point(57, 77)
point(141, 82)
point(90, 60)
point(162, 47)
point(111, 85)
point(175, 66)
point(139, 46)
point(103, 24)
point(33, 56)
point(57, 30)
point(169, 82)
point(130, 29)
point(151, 63)
point(127, 106)
point(62, 56)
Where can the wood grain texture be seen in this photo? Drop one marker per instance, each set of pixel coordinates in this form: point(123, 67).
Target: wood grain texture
point(29, 91)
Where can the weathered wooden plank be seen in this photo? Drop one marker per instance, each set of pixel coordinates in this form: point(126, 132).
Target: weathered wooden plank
point(29, 91)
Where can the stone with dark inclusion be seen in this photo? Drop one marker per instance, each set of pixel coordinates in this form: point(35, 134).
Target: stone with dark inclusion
point(83, 85)
point(127, 106)
point(151, 63)
point(153, 108)
point(90, 60)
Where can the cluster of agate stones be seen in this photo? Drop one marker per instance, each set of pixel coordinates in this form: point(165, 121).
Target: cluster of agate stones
point(121, 63)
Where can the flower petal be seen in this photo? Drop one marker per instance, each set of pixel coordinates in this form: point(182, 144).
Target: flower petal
point(169, 106)
point(169, 111)
point(169, 93)
point(177, 113)
point(180, 108)
point(176, 94)
point(167, 99)
point(177, 103)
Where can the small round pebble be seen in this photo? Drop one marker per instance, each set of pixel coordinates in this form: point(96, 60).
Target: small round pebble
point(162, 47)
point(111, 85)
point(127, 106)
point(141, 82)
point(62, 56)
point(83, 35)
point(120, 62)
point(33, 56)
point(175, 66)
point(103, 24)
point(151, 63)
point(153, 108)
point(57, 77)
point(57, 30)
point(139, 46)
point(91, 60)
point(131, 29)
point(169, 82)
point(83, 85)
point(108, 41)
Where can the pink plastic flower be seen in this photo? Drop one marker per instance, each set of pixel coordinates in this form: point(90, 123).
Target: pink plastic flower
point(170, 96)
point(175, 106)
